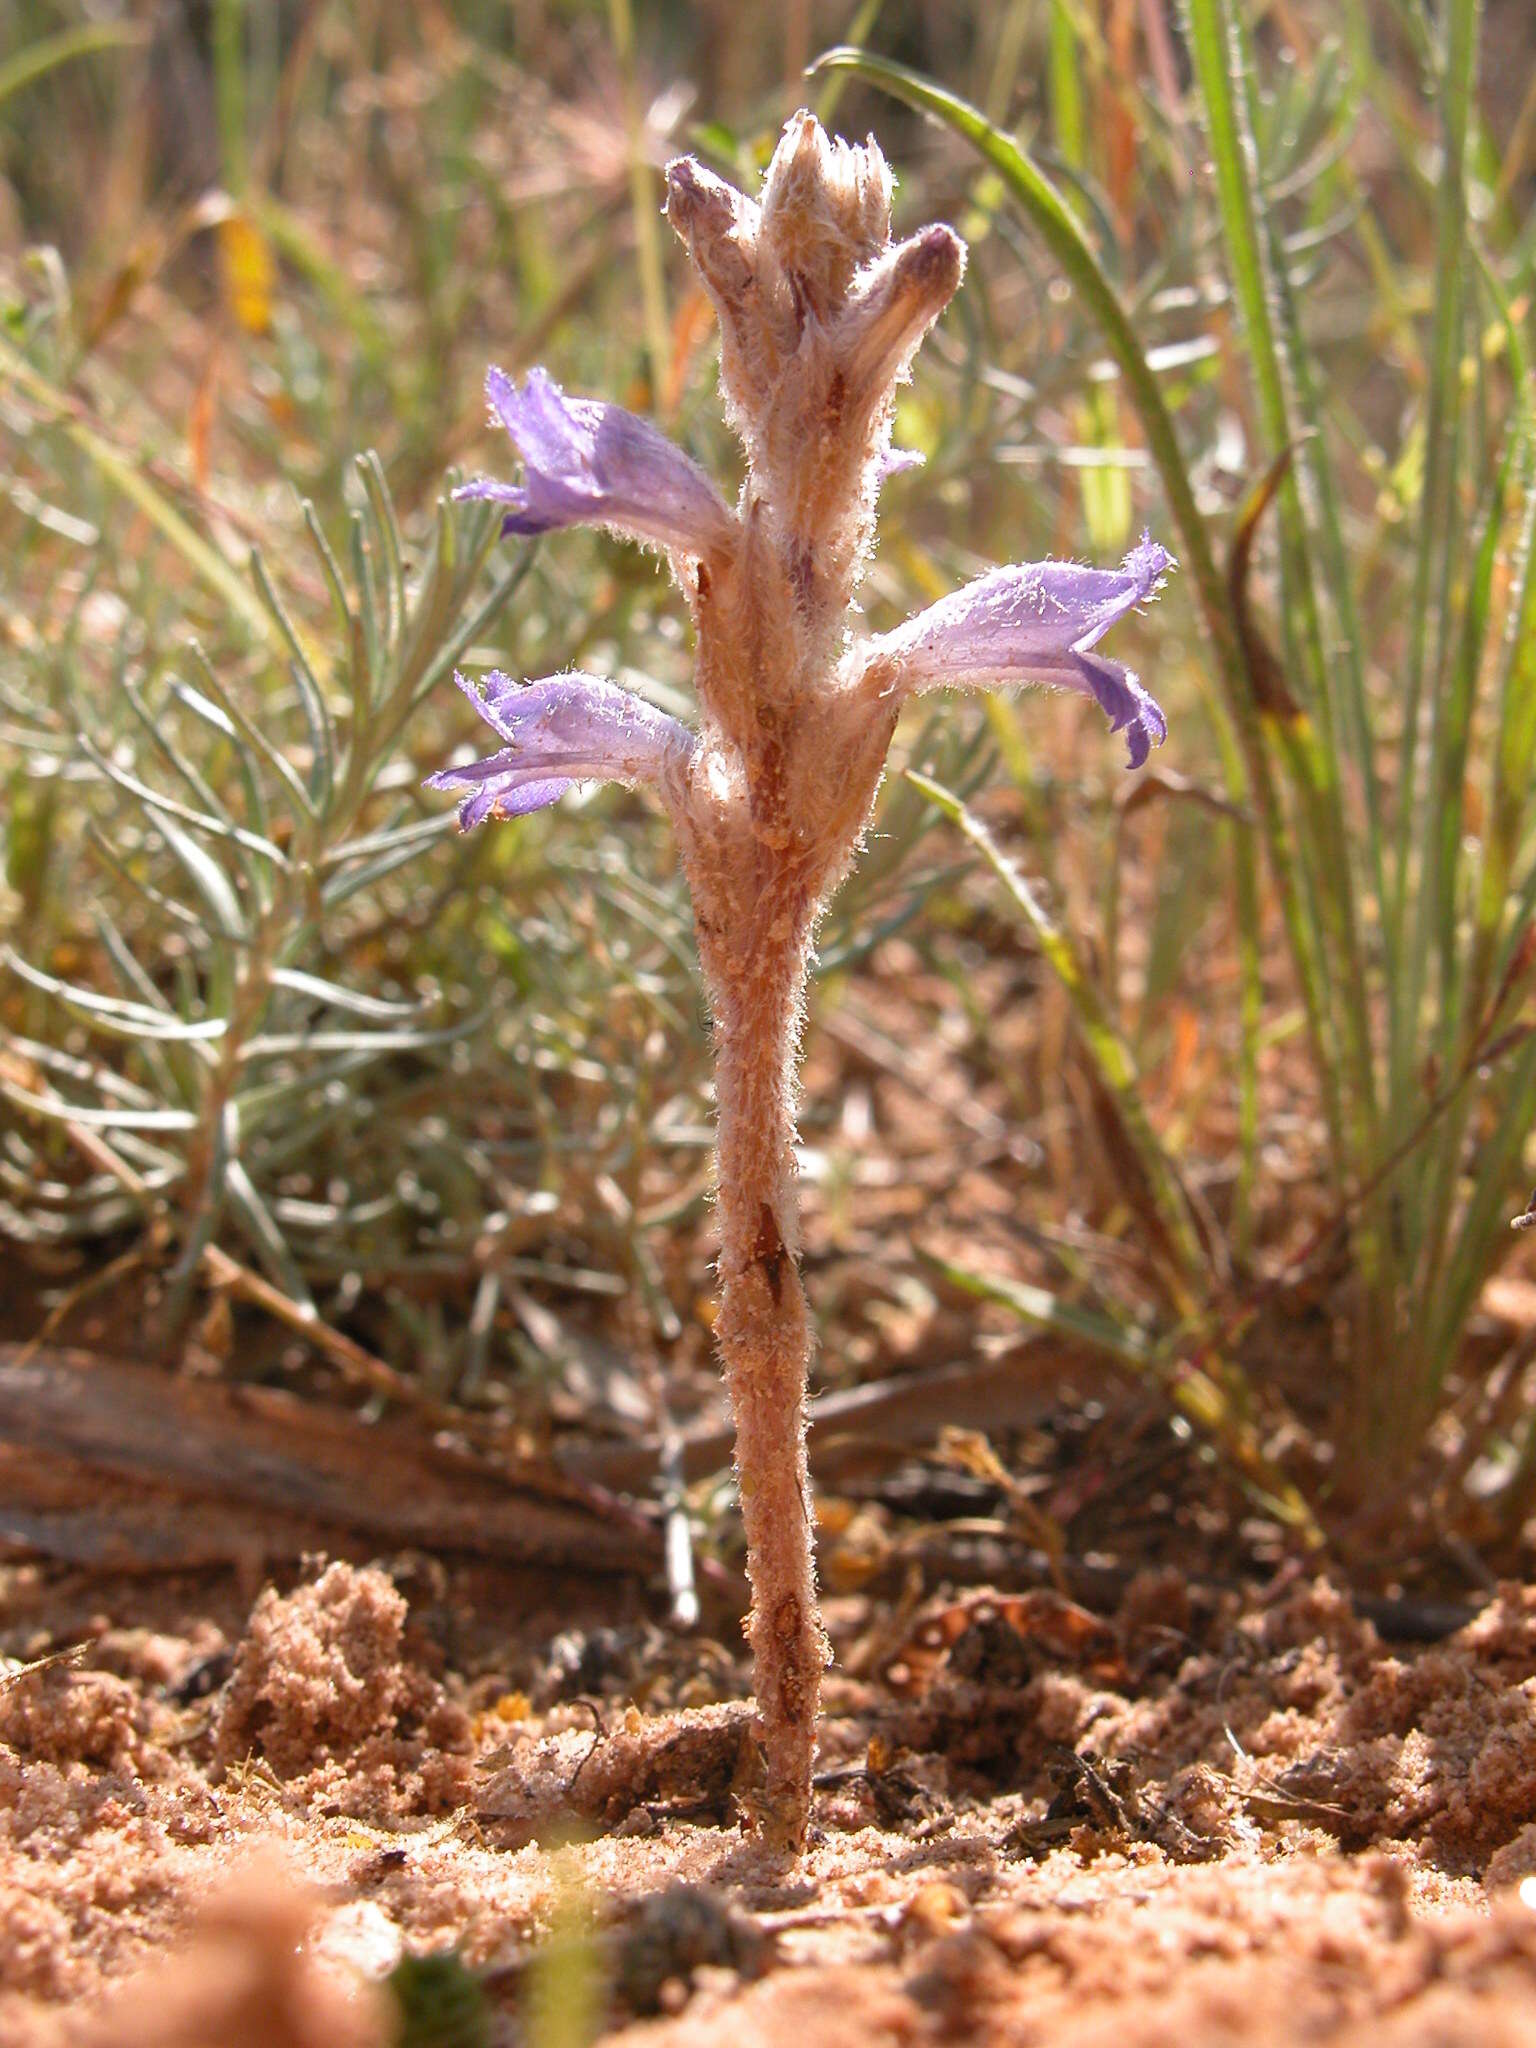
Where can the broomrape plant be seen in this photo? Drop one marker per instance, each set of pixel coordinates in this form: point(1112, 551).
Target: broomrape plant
point(820, 314)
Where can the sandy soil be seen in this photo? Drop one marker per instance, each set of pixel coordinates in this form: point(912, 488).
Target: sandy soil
point(1213, 1817)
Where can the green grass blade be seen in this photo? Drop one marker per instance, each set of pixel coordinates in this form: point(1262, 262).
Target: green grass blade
point(1037, 1306)
point(229, 92)
point(1184, 1384)
point(1311, 756)
point(1437, 520)
point(855, 36)
point(47, 54)
point(1512, 762)
point(1247, 921)
point(643, 204)
point(1439, 884)
point(1108, 1054)
point(1483, 1224)
point(1068, 124)
point(1512, 758)
point(118, 471)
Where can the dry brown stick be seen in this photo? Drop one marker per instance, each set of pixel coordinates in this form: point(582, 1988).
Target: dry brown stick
point(350, 1359)
point(269, 1449)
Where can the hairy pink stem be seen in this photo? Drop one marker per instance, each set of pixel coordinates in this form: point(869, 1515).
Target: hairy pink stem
point(765, 1339)
point(819, 313)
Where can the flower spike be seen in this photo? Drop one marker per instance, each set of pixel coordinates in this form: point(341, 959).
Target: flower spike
point(566, 729)
point(820, 313)
point(587, 463)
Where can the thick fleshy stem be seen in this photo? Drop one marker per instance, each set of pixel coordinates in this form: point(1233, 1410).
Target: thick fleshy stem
point(819, 316)
point(765, 1339)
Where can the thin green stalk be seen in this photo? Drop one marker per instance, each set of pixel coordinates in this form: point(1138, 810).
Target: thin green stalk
point(1311, 757)
point(1512, 760)
point(1439, 883)
point(1068, 125)
point(1513, 754)
point(49, 52)
point(644, 205)
point(1250, 1023)
point(1427, 605)
point(1466, 1270)
point(1008, 56)
point(229, 93)
point(1318, 520)
point(855, 36)
point(1114, 1069)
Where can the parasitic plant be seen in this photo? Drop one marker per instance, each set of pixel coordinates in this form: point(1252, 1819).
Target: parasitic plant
point(820, 314)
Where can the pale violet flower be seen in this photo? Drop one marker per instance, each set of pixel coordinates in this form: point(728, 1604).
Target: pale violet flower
point(566, 729)
point(1034, 624)
point(587, 463)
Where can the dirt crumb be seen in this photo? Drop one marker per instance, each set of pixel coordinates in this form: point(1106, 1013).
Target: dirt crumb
point(846, 2007)
point(636, 1768)
point(322, 1686)
point(58, 1715)
point(1515, 1862)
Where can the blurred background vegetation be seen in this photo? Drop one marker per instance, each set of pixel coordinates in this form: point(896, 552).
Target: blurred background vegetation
point(1233, 1091)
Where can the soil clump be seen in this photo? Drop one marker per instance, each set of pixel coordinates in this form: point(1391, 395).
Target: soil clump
point(1230, 1816)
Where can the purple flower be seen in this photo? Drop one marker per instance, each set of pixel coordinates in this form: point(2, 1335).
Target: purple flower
point(1034, 624)
point(566, 729)
point(586, 463)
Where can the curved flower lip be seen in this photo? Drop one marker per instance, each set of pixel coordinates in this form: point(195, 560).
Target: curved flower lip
point(562, 730)
point(1036, 624)
point(587, 463)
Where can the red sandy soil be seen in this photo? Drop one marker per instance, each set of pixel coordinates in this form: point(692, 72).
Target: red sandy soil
point(1214, 1818)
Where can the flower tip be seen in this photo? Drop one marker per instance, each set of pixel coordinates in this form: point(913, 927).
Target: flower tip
point(500, 394)
point(684, 177)
point(696, 198)
point(1146, 729)
point(1146, 565)
point(938, 258)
